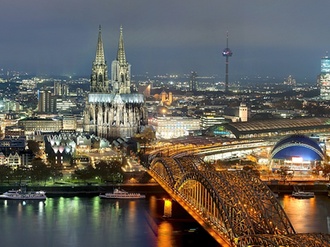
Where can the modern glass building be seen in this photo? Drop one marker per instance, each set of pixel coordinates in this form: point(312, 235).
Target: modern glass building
point(324, 78)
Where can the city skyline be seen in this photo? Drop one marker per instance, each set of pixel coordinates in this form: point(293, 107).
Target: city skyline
point(267, 38)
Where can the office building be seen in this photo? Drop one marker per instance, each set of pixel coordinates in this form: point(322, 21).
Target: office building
point(173, 127)
point(324, 78)
point(193, 82)
point(46, 102)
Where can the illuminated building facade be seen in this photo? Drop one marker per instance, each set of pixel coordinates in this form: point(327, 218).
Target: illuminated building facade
point(173, 127)
point(210, 119)
point(297, 152)
point(243, 112)
point(14, 131)
point(33, 125)
point(69, 123)
point(324, 78)
point(112, 111)
point(166, 98)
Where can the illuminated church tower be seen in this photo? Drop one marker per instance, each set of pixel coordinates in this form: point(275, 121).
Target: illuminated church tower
point(112, 111)
point(121, 70)
point(99, 78)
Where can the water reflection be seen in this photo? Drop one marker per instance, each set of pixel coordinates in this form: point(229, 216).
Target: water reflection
point(307, 215)
point(85, 222)
point(165, 233)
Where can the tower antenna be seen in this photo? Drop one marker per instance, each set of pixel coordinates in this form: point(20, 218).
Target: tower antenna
point(227, 53)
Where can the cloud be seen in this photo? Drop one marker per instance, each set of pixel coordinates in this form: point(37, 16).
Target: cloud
point(61, 35)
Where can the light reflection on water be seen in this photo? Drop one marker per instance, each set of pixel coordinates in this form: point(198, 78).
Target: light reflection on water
point(90, 221)
point(307, 215)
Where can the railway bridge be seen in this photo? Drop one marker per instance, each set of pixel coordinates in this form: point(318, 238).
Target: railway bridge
point(235, 207)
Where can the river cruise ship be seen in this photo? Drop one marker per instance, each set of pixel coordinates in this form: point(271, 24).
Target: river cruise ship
point(122, 194)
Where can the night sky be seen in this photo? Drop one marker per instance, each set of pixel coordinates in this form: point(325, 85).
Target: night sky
point(267, 37)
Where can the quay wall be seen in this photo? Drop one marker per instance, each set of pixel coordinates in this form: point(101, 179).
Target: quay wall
point(89, 190)
point(92, 190)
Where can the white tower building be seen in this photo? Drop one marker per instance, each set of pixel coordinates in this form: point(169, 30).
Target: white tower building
point(243, 112)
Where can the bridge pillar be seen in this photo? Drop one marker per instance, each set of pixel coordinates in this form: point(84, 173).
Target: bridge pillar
point(167, 208)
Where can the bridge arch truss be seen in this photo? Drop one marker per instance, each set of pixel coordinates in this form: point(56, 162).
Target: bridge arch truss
point(237, 206)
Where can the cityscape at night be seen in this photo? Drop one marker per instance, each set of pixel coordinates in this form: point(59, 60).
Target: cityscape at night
point(165, 124)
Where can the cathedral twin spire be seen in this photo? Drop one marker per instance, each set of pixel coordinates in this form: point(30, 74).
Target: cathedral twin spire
point(99, 59)
point(99, 78)
point(120, 74)
point(121, 57)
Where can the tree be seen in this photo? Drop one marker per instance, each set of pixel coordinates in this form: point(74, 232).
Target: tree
point(285, 173)
point(109, 171)
point(55, 172)
point(84, 174)
point(39, 170)
point(33, 146)
point(5, 172)
point(21, 173)
point(146, 137)
point(326, 171)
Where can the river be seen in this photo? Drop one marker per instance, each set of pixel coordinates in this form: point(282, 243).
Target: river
point(90, 221)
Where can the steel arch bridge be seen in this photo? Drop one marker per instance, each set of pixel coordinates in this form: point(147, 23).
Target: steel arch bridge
point(236, 208)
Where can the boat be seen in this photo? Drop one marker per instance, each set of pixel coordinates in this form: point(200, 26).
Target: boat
point(22, 194)
point(302, 194)
point(122, 194)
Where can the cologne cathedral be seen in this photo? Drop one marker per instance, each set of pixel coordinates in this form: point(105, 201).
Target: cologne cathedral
point(112, 111)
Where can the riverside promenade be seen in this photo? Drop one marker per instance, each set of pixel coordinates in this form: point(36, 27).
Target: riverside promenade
point(67, 189)
point(88, 190)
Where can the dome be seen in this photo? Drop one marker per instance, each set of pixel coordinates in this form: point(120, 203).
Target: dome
point(297, 146)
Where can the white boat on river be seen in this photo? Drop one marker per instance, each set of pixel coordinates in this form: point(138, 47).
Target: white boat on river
point(302, 194)
point(122, 194)
point(23, 195)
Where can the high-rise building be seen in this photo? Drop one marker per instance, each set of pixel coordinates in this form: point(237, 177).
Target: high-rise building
point(46, 102)
point(193, 82)
point(112, 110)
point(57, 88)
point(324, 78)
point(61, 89)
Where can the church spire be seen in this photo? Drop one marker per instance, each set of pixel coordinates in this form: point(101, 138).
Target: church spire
point(99, 59)
point(121, 57)
point(121, 70)
point(99, 77)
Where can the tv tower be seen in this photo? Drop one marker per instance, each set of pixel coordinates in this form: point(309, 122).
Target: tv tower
point(227, 53)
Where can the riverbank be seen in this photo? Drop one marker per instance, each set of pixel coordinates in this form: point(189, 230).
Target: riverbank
point(153, 188)
point(89, 190)
point(288, 188)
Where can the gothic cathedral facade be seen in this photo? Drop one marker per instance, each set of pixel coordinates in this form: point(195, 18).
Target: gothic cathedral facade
point(112, 111)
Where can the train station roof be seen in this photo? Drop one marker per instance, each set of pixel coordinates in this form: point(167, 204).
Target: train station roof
point(278, 126)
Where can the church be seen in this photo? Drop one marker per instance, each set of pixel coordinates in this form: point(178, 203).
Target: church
point(112, 110)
